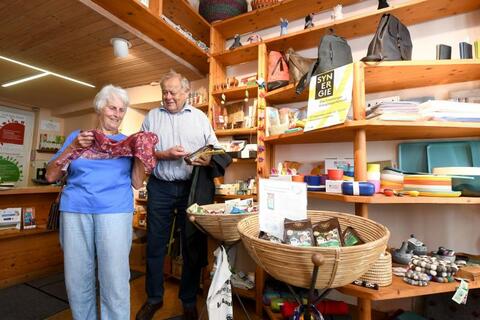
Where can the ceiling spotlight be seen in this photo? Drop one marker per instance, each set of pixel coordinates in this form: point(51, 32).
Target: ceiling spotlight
point(120, 47)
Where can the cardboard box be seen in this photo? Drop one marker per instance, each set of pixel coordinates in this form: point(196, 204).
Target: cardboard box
point(333, 186)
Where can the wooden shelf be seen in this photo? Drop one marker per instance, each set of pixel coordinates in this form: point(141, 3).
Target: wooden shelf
point(47, 151)
point(381, 199)
point(154, 27)
point(286, 95)
point(410, 13)
point(31, 190)
point(245, 53)
point(182, 13)
point(400, 289)
point(250, 294)
point(377, 130)
point(202, 106)
point(236, 93)
point(414, 74)
point(10, 233)
point(268, 17)
point(236, 132)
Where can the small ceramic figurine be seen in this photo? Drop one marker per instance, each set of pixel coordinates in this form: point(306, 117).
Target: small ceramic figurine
point(308, 21)
point(337, 13)
point(382, 4)
point(249, 5)
point(254, 38)
point(402, 255)
point(283, 26)
point(236, 42)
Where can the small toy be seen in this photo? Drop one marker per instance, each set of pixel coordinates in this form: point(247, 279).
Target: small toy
point(283, 26)
point(309, 21)
point(254, 38)
point(382, 4)
point(417, 246)
point(402, 255)
point(236, 42)
point(337, 13)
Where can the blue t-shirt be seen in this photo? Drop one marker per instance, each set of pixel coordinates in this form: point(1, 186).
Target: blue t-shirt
point(97, 186)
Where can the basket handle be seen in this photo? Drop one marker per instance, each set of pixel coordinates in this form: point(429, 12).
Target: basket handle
point(318, 259)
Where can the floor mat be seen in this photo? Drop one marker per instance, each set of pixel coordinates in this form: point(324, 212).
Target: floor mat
point(39, 298)
point(27, 303)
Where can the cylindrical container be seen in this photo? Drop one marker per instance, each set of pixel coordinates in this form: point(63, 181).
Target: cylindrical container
point(335, 174)
point(298, 178)
point(358, 188)
point(373, 175)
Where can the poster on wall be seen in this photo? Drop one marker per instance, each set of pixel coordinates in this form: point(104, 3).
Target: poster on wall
point(329, 98)
point(16, 132)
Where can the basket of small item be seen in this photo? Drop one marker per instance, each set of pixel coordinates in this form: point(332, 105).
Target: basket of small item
point(349, 245)
point(259, 4)
point(220, 220)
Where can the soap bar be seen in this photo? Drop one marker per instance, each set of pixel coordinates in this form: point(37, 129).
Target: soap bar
point(356, 188)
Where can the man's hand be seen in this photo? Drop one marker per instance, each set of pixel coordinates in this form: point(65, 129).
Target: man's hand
point(203, 160)
point(175, 153)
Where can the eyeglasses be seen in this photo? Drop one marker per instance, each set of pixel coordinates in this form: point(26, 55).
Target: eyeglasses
point(172, 93)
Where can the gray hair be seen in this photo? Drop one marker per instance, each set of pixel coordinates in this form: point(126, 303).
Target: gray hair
point(185, 84)
point(108, 91)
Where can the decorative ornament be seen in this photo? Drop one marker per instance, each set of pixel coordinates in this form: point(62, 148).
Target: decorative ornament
point(309, 21)
point(283, 26)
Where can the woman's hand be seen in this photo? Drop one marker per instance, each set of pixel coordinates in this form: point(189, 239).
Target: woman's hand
point(138, 173)
point(83, 140)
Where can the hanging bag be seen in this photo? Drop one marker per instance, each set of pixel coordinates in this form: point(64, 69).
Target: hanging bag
point(297, 65)
point(277, 71)
point(333, 52)
point(391, 41)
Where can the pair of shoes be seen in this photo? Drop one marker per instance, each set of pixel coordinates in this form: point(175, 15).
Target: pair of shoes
point(190, 313)
point(147, 311)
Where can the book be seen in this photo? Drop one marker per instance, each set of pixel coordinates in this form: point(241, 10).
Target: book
point(205, 150)
point(29, 218)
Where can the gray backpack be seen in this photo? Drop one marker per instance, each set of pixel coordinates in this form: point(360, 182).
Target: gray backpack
point(333, 52)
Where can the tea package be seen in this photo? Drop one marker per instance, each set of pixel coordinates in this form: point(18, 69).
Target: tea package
point(298, 232)
point(328, 233)
point(351, 237)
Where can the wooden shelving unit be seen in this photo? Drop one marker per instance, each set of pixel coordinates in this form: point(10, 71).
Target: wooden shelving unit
point(202, 106)
point(222, 197)
point(236, 93)
point(268, 17)
point(246, 53)
point(149, 22)
point(236, 132)
point(11, 233)
point(241, 161)
point(182, 13)
point(381, 199)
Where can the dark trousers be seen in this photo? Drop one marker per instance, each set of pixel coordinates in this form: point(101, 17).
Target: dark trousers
point(163, 198)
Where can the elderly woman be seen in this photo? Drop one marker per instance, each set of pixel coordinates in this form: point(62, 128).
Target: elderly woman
point(96, 215)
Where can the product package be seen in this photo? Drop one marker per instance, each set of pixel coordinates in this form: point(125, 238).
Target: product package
point(328, 233)
point(351, 237)
point(298, 232)
point(205, 150)
point(29, 218)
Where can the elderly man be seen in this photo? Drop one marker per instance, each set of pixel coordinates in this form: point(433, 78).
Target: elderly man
point(181, 129)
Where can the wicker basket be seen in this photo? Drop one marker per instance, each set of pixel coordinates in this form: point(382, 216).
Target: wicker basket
point(294, 265)
point(381, 271)
point(259, 4)
point(215, 10)
point(222, 227)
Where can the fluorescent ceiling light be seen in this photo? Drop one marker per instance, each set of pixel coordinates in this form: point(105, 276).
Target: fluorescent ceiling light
point(44, 71)
point(40, 75)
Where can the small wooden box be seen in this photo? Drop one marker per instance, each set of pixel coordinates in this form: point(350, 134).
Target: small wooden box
point(469, 272)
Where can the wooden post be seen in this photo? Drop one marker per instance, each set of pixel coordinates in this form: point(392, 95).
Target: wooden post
point(156, 7)
point(360, 163)
point(364, 309)
point(263, 157)
point(358, 91)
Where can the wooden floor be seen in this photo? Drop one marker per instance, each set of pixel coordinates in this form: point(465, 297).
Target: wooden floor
point(172, 306)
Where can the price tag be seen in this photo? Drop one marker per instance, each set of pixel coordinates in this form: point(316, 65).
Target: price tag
point(461, 293)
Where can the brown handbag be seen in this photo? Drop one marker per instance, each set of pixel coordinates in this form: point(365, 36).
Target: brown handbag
point(277, 71)
point(297, 65)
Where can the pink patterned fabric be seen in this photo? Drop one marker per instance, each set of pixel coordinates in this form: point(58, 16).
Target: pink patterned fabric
point(140, 145)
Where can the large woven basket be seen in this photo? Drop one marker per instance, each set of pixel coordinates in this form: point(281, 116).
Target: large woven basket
point(215, 10)
point(222, 227)
point(381, 271)
point(259, 4)
point(294, 265)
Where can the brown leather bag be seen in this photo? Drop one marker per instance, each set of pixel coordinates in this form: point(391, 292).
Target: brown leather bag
point(297, 65)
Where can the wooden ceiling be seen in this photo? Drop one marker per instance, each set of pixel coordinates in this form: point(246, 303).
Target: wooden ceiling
point(70, 38)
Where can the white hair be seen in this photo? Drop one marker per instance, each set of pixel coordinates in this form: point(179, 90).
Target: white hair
point(185, 84)
point(107, 92)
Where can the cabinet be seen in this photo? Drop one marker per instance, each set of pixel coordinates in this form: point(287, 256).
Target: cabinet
point(380, 77)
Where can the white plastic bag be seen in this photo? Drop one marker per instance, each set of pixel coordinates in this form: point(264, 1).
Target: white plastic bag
point(219, 300)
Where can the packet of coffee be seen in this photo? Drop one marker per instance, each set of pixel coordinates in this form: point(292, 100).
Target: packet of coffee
point(351, 237)
point(328, 233)
point(298, 232)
